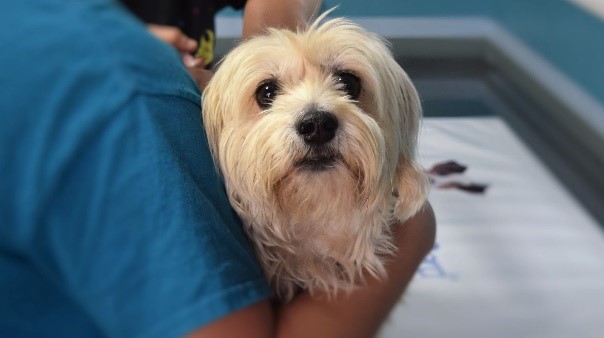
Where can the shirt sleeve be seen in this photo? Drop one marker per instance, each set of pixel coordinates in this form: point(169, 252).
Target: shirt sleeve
point(139, 232)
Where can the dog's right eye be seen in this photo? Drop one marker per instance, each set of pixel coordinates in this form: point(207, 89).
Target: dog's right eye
point(266, 93)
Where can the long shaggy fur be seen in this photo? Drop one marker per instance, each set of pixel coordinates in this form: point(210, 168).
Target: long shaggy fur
point(317, 230)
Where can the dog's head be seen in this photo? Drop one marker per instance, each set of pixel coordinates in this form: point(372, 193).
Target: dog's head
point(301, 122)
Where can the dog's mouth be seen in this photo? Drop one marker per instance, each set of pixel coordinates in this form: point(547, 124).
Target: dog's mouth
point(318, 161)
point(318, 164)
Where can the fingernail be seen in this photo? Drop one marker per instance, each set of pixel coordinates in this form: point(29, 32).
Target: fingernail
point(188, 60)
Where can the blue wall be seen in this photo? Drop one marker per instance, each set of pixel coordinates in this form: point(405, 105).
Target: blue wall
point(409, 7)
point(567, 36)
point(564, 34)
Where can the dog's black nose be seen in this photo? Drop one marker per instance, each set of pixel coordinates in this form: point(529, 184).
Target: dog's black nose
point(317, 127)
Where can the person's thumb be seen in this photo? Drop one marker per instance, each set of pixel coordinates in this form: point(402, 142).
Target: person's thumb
point(185, 44)
point(192, 62)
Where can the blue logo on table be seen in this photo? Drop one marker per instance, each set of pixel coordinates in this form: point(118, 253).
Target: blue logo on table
point(431, 267)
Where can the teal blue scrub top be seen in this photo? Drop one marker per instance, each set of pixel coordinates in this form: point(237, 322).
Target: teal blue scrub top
point(113, 221)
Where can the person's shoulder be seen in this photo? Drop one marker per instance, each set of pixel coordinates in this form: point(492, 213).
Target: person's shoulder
point(71, 69)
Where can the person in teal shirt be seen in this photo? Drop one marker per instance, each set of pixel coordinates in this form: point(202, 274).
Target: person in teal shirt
point(113, 220)
point(111, 210)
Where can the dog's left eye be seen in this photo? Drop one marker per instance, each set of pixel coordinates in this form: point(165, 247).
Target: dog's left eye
point(266, 93)
point(349, 83)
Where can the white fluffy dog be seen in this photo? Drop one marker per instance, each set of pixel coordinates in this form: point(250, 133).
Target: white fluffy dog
point(315, 133)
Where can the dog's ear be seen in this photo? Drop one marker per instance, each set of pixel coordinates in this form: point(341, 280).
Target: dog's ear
point(411, 182)
point(412, 187)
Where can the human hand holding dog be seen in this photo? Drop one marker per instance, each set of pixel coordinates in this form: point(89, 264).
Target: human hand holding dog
point(174, 37)
point(357, 314)
point(184, 45)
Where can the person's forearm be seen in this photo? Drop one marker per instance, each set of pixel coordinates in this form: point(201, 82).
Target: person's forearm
point(361, 313)
point(288, 14)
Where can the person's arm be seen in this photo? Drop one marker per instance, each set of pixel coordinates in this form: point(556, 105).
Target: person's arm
point(288, 14)
point(358, 314)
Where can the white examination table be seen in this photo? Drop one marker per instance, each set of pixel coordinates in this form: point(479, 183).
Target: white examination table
point(522, 260)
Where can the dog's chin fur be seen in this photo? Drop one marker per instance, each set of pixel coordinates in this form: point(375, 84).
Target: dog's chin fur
point(319, 217)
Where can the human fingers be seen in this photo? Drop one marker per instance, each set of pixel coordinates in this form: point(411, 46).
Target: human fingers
point(192, 62)
point(174, 36)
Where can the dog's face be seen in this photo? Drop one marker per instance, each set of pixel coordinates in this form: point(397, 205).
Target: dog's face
point(314, 126)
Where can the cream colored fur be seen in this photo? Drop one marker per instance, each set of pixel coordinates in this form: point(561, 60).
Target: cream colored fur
point(317, 230)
